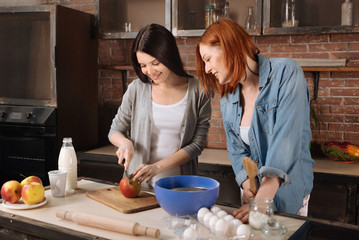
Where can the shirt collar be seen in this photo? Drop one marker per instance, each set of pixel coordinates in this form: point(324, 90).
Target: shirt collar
point(264, 69)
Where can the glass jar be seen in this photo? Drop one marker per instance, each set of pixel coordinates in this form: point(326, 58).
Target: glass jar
point(210, 16)
point(289, 14)
point(250, 19)
point(260, 211)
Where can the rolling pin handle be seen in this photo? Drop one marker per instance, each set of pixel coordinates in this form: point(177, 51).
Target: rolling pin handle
point(139, 230)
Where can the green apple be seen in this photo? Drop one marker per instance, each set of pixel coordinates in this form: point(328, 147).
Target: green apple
point(11, 191)
point(33, 193)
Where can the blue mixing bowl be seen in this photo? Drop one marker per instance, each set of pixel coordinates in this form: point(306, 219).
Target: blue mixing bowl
point(186, 194)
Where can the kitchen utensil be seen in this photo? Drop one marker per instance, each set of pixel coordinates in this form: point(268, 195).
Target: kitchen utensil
point(204, 193)
point(252, 170)
point(111, 224)
point(124, 169)
point(113, 198)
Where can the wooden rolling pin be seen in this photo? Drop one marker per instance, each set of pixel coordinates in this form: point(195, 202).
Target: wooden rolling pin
point(111, 224)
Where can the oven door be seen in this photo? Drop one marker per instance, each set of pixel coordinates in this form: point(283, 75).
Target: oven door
point(27, 150)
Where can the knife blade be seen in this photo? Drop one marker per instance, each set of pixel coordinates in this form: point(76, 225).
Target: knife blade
point(124, 169)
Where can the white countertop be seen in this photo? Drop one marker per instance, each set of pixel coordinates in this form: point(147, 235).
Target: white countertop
point(78, 202)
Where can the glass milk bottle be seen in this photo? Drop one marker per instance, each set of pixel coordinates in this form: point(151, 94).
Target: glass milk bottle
point(68, 162)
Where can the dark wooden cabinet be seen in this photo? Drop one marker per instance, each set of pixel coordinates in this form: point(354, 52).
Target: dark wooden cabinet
point(334, 197)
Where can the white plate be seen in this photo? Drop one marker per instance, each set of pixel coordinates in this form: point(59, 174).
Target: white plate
point(21, 205)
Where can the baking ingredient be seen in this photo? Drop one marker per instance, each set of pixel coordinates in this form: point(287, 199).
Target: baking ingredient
point(200, 214)
point(228, 218)
point(130, 188)
point(212, 222)
point(33, 193)
point(222, 214)
point(11, 191)
point(233, 226)
point(190, 233)
point(68, 162)
point(256, 219)
point(243, 232)
point(221, 227)
point(206, 218)
point(30, 179)
point(215, 209)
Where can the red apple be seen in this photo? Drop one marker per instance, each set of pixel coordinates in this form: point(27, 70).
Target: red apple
point(30, 179)
point(11, 191)
point(130, 188)
point(33, 193)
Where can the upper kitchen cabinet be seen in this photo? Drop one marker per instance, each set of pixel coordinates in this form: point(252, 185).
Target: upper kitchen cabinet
point(124, 18)
point(188, 16)
point(307, 17)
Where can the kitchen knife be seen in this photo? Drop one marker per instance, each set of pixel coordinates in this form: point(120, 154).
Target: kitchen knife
point(124, 169)
point(252, 170)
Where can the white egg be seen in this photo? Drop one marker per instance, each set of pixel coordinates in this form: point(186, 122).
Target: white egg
point(212, 222)
point(206, 218)
point(221, 227)
point(200, 214)
point(228, 218)
point(189, 234)
point(222, 214)
point(215, 209)
point(233, 226)
point(243, 232)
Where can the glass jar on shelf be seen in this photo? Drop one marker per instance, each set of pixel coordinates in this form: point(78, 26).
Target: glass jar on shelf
point(289, 14)
point(249, 24)
point(210, 16)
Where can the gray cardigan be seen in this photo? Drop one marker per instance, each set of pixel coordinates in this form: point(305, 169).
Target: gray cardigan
point(135, 116)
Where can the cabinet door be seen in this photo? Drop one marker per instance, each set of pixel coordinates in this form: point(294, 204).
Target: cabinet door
point(188, 16)
point(319, 16)
point(116, 15)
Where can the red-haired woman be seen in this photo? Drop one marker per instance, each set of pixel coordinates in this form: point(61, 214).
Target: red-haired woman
point(265, 110)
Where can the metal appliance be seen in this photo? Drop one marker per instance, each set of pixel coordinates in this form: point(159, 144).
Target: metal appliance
point(48, 87)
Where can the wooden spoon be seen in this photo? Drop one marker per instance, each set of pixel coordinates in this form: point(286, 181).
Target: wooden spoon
point(252, 170)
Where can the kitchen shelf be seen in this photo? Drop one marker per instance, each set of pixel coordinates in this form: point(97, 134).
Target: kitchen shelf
point(312, 16)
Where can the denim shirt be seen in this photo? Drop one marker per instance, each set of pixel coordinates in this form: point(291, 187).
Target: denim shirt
point(279, 134)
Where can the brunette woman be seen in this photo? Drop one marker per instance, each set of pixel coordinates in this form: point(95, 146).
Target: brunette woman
point(265, 110)
point(162, 123)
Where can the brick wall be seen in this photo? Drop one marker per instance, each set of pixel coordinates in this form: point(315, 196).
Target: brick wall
point(338, 97)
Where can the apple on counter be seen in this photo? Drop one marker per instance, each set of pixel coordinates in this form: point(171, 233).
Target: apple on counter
point(129, 187)
point(11, 191)
point(30, 179)
point(30, 190)
point(33, 193)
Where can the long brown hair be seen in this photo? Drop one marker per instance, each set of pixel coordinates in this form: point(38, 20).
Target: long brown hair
point(157, 41)
point(236, 45)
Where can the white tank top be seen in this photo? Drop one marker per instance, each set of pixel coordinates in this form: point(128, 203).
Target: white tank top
point(166, 130)
point(244, 134)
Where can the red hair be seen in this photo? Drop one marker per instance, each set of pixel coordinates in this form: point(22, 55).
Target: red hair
point(236, 45)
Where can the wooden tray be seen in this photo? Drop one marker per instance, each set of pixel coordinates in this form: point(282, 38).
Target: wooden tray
point(113, 198)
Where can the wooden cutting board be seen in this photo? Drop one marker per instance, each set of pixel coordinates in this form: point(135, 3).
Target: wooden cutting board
point(113, 198)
